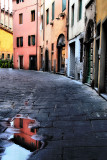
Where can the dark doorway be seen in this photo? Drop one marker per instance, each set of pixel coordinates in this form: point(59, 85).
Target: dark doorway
point(46, 60)
point(61, 53)
point(33, 62)
point(21, 62)
point(88, 64)
point(72, 59)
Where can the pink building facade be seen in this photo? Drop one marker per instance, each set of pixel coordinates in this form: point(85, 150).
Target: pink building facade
point(26, 37)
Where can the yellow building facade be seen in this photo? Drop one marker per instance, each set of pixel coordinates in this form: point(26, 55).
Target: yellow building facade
point(101, 46)
point(6, 44)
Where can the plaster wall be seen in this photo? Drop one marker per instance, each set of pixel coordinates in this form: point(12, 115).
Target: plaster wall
point(79, 25)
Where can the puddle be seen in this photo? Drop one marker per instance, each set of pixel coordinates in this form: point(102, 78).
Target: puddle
point(20, 138)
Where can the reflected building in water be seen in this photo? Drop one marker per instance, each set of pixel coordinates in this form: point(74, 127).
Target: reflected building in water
point(26, 132)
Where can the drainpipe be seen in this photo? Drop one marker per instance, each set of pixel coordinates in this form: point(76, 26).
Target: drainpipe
point(37, 34)
point(68, 21)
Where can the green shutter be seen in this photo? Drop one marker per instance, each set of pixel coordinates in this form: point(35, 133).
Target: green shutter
point(33, 40)
point(80, 9)
point(47, 16)
point(63, 5)
point(29, 40)
point(53, 10)
point(17, 42)
point(73, 15)
point(21, 41)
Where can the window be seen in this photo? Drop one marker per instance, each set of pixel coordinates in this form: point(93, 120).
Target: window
point(18, 1)
point(63, 5)
point(21, 123)
point(47, 16)
point(8, 56)
point(19, 41)
point(31, 40)
point(41, 21)
point(52, 47)
point(80, 9)
point(20, 18)
point(72, 21)
point(2, 55)
point(81, 50)
point(32, 130)
point(32, 15)
point(53, 10)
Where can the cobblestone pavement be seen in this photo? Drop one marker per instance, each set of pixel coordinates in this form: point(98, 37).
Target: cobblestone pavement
point(72, 113)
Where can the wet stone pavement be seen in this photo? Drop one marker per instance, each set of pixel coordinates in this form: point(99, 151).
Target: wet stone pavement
point(72, 114)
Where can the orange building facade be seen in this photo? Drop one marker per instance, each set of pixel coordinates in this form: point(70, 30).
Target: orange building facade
point(53, 32)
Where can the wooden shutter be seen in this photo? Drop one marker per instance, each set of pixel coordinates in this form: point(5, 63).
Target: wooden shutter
point(53, 10)
point(17, 42)
point(33, 40)
point(80, 9)
point(29, 40)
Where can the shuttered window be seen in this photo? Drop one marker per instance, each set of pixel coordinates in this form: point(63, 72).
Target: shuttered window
point(63, 5)
point(21, 41)
point(20, 18)
point(80, 9)
point(17, 42)
point(47, 16)
point(32, 15)
point(33, 40)
point(72, 21)
point(29, 40)
point(53, 10)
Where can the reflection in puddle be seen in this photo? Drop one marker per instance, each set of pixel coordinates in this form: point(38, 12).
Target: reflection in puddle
point(22, 129)
point(15, 152)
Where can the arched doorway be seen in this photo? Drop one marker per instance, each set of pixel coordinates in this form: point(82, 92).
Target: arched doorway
point(46, 60)
point(89, 52)
point(61, 53)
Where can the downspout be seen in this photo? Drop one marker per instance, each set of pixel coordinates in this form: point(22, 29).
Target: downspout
point(68, 22)
point(37, 35)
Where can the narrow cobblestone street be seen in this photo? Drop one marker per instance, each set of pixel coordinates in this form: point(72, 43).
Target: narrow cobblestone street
point(73, 114)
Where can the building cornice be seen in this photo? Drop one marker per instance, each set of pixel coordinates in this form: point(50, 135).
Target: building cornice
point(5, 29)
